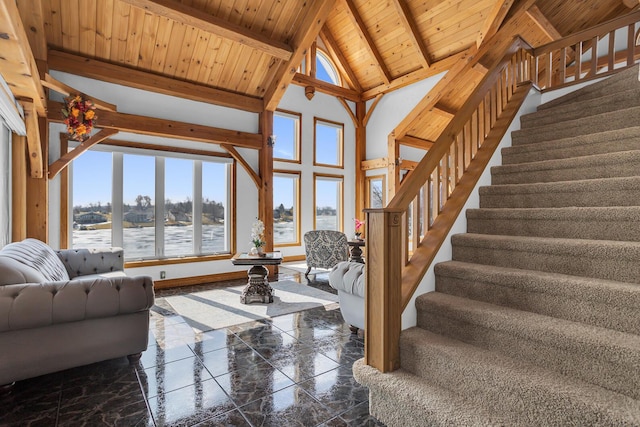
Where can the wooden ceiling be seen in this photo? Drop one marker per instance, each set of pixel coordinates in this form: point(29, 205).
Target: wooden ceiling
point(244, 53)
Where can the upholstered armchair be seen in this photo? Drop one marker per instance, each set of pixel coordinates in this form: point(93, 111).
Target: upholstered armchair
point(325, 249)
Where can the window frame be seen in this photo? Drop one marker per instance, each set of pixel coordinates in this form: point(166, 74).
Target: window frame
point(340, 214)
point(368, 180)
point(298, 142)
point(325, 55)
point(297, 207)
point(340, 153)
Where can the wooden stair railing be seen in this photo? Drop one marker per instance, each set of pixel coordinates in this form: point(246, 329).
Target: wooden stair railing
point(405, 236)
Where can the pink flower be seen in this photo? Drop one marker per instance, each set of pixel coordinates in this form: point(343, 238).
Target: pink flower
point(358, 223)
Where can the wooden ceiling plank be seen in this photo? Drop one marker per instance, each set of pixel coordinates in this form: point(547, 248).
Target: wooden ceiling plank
point(186, 53)
point(166, 128)
point(631, 3)
point(104, 28)
point(367, 40)
point(120, 31)
point(56, 167)
point(163, 37)
point(339, 59)
point(67, 90)
point(17, 63)
point(407, 79)
point(325, 87)
point(87, 11)
point(70, 25)
point(135, 31)
point(308, 30)
point(149, 40)
point(95, 69)
point(494, 20)
point(409, 24)
point(174, 49)
point(198, 56)
point(32, 14)
point(196, 18)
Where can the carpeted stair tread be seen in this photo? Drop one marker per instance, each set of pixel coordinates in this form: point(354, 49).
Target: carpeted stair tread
point(607, 165)
point(604, 303)
point(598, 123)
point(623, 191)
point(620, 81)
point(527, 394)
point(420, 401)
point(599, 222)
point(602, 259)
point(610, 102)
point(596, 355)
point(585, 145)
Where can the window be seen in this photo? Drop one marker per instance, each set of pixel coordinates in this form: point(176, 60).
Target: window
point(325, 70)
point(328, 202)
point(375, 191)
point(328, 143)
point(286, 211)
point(91, 200)
point(286, 127)
point(194, 219)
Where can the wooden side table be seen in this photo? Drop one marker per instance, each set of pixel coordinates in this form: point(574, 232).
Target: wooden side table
point(258, 288)
point(355, 250)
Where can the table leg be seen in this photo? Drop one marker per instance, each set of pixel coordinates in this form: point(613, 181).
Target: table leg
point(258, 288)
point(356, 254)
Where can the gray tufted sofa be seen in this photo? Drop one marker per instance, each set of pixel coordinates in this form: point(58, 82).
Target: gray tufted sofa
point(347, 277)
point(66, 309)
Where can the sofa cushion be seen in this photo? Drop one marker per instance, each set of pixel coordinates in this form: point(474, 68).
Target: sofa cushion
point(348, 276)
point(36, 262)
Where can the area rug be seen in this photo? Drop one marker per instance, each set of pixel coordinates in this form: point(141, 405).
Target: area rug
point(221, 307)
point(301, 267)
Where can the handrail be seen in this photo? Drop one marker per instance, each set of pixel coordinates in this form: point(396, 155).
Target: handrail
point(398, 253)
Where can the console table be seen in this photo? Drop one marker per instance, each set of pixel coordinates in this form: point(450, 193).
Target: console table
point(258, 288)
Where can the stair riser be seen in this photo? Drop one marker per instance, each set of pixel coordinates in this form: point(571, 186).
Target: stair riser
point(568, 228)
point(544, 199)
point(566, 149)
point(619, 377)
point(604, 263)
point(623, 319)
point(482, 384)
point(576, 110)
point(630, 167)
point(601, 123)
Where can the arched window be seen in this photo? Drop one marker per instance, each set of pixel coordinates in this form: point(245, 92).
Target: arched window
point(325, 70)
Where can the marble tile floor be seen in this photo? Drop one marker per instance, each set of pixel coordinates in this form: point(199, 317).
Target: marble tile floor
point(291, 370)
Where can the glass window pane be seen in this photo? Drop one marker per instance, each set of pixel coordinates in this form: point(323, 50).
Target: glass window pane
point(376, 193)
point(286, 128)
point(178, 207)
point(328, 196)
point(285, 211)
point(325, 69)
point(138, 206)
point(215, 209)
point(328, 144)
point(92, 183)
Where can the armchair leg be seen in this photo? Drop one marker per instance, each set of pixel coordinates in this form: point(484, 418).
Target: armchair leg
point(354, 329)
point(133, 358)
point(307, 273)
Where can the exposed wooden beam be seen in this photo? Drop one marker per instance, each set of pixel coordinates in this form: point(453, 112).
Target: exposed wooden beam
point(409, 24)
point(325, 87)
point(373, 106)
point(379, 163)
point(349, 111)
point(421, 74)
point(339, 59)
point(414, 141)
point(33, 20)
point(361, 28)
point(443, 110)
point(493, 21)
point(308, 30)
point(100, 70)
point(201, 20)
point(17, 63)
point(19, 175)
point(34, 145)
point(69, 156)
point(167, 128)
point(66, 90)
point(38, 192)
point(158, 147)
point(549, 30)
point(631, 3)
point(238, 158)
point(407, 164)
point(265, 191)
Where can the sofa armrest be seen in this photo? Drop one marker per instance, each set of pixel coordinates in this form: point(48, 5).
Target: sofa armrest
point(348, 276)
point(35, 305)
point(80, 262)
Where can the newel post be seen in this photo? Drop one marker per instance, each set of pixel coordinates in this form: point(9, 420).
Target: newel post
point(383, 297)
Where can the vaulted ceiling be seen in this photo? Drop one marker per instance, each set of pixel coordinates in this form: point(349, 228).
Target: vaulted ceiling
point(244, 53)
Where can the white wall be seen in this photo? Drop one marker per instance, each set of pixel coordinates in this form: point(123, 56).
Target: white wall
point(139, 102)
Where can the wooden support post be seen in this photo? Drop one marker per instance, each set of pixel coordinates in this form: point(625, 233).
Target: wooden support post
point(361, 155)
point(393, 171)
point(19, 188)
point(265, 193)
point(64, 198)
point(38, 193)
point(383, 310)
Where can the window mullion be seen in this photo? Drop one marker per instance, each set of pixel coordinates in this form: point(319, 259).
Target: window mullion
point(159, 206)
point(197, 207)
point(117, 208)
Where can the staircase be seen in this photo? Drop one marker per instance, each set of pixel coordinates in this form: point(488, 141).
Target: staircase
point(536, 320)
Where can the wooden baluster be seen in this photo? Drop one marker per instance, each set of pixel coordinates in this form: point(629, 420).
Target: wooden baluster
point(631, 43)
point(474, 131)
point(594, 56)
point(494, 103)
point(456, 153)
point(578, 61)
point(549, 69)
point(498, 87)
point(612, 50)
point(415, 226)
point(563, 65)
point(437, 188)
point(466, 147)
point(487, 115)
point(446, 179)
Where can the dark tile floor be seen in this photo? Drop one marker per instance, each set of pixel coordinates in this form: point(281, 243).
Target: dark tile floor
point(292, 370)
